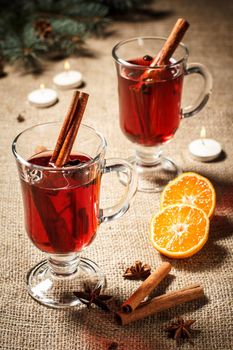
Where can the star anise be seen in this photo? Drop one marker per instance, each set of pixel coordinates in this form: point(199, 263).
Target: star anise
point(92, 296)
point(20, 118)
point(180, 328)
point(73, 162)
point(137, 271)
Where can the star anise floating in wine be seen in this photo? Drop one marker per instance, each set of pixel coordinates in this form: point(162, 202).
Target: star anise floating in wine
point(92, 296)
point(180, 329)
point(137, 271)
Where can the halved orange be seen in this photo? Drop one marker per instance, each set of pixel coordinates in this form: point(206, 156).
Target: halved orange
point(190, 188)
point(179, 231)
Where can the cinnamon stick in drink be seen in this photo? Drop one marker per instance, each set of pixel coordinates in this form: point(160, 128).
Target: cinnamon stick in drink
point(69, 129)
point(172, 42)
point(160, 303)
point(146, 287)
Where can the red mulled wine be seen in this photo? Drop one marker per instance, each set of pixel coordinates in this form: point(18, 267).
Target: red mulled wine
point(150, 111)
point(62, 207)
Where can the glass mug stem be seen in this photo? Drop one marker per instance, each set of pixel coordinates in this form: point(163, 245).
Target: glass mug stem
point(203, 97)
point(63, 265)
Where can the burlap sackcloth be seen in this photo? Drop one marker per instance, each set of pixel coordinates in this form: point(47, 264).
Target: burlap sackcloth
point(26, 325)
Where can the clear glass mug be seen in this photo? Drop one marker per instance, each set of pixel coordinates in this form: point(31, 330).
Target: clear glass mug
point(150, 104)
point(61, 209)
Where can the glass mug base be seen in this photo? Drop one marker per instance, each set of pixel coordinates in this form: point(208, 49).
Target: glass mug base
point(55, 289)
point(155, 176)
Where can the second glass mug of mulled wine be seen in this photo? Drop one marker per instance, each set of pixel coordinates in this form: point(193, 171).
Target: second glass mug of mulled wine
point(150, 104)
point(62, 211)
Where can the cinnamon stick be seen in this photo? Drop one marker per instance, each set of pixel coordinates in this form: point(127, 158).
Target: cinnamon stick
point(69, 129)
point(162, 302)
point(146, 287)
point(171, 43)
point(168, 49)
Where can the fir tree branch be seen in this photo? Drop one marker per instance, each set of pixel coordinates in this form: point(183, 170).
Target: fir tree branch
point(69, 23)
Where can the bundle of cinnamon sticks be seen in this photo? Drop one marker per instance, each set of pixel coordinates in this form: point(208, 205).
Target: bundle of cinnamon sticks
point(69, 129)
point(134, 309)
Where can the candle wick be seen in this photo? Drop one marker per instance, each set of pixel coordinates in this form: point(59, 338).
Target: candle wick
point(203, 142)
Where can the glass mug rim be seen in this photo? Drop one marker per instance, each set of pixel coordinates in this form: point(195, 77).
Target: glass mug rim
point(20, 159)
point(161, 38)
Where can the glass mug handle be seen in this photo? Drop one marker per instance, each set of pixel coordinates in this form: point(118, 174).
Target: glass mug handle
point(124, 168)
point(202, 99)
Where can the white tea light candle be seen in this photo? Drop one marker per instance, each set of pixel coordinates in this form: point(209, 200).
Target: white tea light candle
point(68, 79)
point(205, 149)
point(42, 97)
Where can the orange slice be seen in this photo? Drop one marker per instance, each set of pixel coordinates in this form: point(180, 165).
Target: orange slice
point(190, 188)
point(179, 231)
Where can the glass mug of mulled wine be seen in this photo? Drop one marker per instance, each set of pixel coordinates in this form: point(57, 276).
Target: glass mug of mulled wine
point(62, 211)
point(150, 104)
